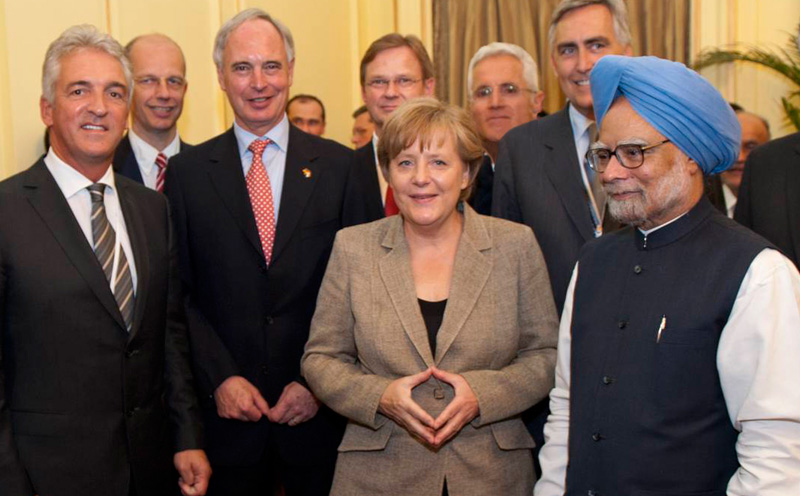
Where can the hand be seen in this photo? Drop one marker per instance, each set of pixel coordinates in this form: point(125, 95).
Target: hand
point(397, 404)
point(296, 405)
point(237, 399)
point(459, 412)
point(195, 471)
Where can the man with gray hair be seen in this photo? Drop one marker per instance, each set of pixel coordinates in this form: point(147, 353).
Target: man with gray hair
point(97, 392)
point(159, 86)
point(503, 93)
point(256, 210)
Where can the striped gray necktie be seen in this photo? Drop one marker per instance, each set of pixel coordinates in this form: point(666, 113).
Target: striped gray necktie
point(104, 244)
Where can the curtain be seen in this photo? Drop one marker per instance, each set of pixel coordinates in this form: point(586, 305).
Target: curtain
point(658, 27)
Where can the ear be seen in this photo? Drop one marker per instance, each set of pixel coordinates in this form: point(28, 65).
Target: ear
point(46, 111)
point(430, 86)
point(221, 80)
point(291, 72)
point(536, 103)
point(628, 51)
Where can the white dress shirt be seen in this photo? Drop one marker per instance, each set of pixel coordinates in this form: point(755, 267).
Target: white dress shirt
point(384, 185)
point(73, 185)
point(273, 158)
point(580, 134)
point(730, 200)
point(758, 359)
point(146, 154)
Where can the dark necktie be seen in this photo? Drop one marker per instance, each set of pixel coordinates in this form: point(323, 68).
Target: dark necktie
point(105, 241)
point(598, 207)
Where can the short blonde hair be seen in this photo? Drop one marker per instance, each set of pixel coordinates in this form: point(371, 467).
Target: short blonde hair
point(426, 119)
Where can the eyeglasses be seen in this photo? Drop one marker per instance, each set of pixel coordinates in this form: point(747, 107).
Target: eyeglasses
point(173, 82)
point(400, 82)
point(630, 156)
point(506, 89)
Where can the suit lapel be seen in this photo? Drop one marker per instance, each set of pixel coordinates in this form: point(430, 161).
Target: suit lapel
point(562, 168)
point(47, 199)
point(793, 200)
point(125, 161)
point(470, 273)
point(395, 270)
point(298, 182)
point(226, 175)
point(137, 233)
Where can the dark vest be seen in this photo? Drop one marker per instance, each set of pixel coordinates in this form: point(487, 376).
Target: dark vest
point(647, 415)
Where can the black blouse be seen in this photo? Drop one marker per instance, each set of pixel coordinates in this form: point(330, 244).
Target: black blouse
point(432, 314)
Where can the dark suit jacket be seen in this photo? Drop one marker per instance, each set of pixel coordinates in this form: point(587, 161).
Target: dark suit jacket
point(713, 190)
point(481, 199)
point(125, 160)
point(85, 406)
point(538, 182)
point(769, 197)
point(246, 318)
point(367, 175)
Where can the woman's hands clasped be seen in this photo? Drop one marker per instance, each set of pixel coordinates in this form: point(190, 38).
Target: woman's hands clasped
point(397, 404)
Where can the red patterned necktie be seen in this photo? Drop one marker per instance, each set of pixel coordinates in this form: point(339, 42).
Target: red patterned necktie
point(161, 163)
point(391, 207)
point(260, 191)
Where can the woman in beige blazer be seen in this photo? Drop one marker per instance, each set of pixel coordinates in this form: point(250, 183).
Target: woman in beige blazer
point(434, 328)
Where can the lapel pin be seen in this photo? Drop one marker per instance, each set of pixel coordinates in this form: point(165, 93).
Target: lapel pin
point(307, 173)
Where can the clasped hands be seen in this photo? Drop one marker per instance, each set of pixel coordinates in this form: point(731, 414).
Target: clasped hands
point(237, 398)
point(397, 404)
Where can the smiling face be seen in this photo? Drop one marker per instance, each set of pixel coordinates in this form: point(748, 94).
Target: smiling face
point(256, 75)
point(666, 185)
point(582, 37)
point(427, 182)
point(159, 87)
point(495, 114)
point(754, 133)
point(392, 65)
point(88, 114)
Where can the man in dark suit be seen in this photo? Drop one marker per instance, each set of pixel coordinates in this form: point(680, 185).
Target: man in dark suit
point(97, 391)
point(540, 176)
point(769, 197)
point(394, 69)
point(256, 210)
point(503, 94)
point(159, 76)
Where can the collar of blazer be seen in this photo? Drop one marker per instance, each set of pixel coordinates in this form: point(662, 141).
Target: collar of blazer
point(228, 180)
point(471, 270)
point(563, 169)
point(48, 201)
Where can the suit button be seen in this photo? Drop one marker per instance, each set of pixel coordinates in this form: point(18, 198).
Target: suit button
point(608, 380)
point(591, 493)
point(637, 269)
point(438, 393)
point(264, 369)
point(131, 353)
point(130, 413)
point(622, 324)
point(269, 320)
point(262, 269)
point(597, 437)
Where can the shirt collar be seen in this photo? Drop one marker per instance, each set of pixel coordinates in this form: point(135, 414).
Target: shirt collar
point(580, 123)
point(279, 135)
point(69, 180)
point(146, 153)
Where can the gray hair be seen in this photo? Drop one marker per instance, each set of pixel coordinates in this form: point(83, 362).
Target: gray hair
point(529, 68)
point(619, 12)
point(247, 15)
point(76, 38)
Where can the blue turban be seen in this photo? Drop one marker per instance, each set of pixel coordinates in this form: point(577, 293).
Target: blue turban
point(678, 102)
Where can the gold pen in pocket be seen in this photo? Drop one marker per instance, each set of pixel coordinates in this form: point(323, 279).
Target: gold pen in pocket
point(661, 328)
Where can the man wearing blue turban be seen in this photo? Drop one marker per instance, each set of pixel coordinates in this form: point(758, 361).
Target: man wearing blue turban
point(678, 348)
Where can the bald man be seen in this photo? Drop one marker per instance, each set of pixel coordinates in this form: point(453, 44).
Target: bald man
point(159, 76)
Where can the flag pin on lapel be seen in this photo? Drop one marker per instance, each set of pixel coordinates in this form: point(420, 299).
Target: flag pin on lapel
point(307, 173)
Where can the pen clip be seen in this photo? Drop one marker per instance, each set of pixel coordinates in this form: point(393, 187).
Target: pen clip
point(661, 328)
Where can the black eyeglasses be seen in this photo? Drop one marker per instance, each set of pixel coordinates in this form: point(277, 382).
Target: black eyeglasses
point(630, 156)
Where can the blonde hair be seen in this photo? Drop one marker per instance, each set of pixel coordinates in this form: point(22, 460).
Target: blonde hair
point(426, 119)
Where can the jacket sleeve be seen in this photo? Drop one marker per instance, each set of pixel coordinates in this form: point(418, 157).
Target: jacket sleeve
point(529, 377)
point(13, 478)
point(329, 363)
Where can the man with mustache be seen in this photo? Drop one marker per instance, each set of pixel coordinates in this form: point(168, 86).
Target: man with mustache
point(159, 86)
point(677, 356)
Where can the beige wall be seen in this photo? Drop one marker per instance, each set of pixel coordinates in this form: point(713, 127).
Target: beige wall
point(756, 22)
point(330, 37)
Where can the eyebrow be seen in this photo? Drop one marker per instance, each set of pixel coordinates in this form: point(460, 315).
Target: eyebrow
point(596, 39)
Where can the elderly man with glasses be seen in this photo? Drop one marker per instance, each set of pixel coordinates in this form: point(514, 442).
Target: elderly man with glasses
point(677, 356)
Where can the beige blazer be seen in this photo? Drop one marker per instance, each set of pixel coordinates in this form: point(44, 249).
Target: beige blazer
point(499, 331)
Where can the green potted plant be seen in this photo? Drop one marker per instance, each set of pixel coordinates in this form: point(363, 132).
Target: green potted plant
point(785, 61)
